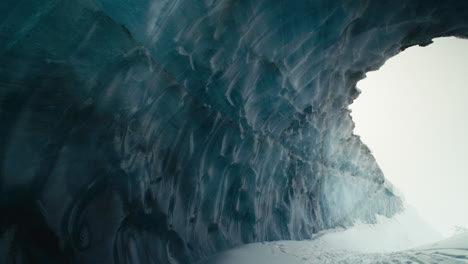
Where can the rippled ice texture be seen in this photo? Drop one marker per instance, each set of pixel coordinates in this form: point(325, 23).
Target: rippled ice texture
point(164, 131)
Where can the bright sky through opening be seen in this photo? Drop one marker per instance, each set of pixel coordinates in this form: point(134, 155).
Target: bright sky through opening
point(413, 115)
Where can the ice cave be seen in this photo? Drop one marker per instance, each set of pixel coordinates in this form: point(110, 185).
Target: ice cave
point(186, 131)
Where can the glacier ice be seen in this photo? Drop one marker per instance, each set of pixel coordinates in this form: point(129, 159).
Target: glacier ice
point(166, 131)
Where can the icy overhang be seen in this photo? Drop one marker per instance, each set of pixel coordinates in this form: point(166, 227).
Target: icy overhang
point(169, 130)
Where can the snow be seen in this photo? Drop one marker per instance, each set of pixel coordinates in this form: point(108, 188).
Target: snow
point(404, 231)
point(389, 241)
point(450, 251)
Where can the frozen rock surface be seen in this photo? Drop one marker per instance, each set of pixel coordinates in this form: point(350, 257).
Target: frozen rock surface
point(165, 131)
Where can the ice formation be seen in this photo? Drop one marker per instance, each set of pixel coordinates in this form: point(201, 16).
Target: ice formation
point(165, 131)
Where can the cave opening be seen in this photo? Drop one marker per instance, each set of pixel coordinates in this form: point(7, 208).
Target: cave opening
point(411, 113)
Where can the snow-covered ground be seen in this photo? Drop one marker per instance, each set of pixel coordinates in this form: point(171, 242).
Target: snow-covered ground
point(391, 241)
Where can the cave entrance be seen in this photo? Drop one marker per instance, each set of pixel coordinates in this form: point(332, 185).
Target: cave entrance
point(413, 115)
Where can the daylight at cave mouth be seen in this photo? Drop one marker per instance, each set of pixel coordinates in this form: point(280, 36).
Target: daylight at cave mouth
point(412, 114)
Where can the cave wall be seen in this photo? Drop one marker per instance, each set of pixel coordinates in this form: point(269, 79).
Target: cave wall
point(165, 131)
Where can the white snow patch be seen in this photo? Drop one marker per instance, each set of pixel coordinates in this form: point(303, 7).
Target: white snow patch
point(386, 242)
point(404, 231)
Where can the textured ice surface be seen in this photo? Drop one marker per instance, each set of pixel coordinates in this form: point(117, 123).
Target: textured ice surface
point(165, 131)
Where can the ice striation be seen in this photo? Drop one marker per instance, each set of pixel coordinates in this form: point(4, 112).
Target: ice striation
point(165, 131)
